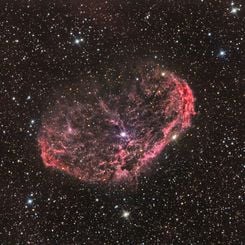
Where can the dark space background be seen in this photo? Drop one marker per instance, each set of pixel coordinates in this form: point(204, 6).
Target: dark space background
point(196, 193)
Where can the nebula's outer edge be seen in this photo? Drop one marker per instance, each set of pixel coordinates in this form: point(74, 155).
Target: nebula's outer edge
point(105, 152)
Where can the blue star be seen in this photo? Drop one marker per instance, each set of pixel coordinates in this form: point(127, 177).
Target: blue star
point(29, 201)
point(222, 53)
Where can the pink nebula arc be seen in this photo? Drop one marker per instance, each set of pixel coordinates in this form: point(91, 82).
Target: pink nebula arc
point(113, 137)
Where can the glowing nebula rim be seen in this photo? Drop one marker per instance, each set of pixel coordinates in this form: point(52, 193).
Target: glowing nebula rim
point(123, 142)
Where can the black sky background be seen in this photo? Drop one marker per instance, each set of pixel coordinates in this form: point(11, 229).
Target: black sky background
point(196, 193)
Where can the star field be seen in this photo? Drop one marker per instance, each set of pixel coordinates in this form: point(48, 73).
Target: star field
point(195, 191)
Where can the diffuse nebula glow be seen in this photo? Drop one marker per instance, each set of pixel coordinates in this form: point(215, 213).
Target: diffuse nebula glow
point(113, 137)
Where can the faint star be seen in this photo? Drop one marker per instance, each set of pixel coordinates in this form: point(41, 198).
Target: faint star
point(148, 16)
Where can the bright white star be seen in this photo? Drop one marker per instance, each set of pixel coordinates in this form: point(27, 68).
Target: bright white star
point(222, 53)
point(174, 137)
point(123, 134)
point(125, 214)
point(234, 10)
point(29, 201)
point(79, 40)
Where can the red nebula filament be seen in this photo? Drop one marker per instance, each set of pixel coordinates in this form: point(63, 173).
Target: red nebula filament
point(113, 137)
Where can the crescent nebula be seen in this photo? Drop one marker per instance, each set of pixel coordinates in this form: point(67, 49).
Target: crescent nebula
point(112, 134)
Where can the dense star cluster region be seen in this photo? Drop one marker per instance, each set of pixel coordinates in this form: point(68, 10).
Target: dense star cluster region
point(112, 138)
point(121, 122)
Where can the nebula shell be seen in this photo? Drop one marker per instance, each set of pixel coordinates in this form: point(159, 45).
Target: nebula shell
point(113, 133)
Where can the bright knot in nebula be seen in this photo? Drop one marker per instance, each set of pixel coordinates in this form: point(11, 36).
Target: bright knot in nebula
point(112, 133)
